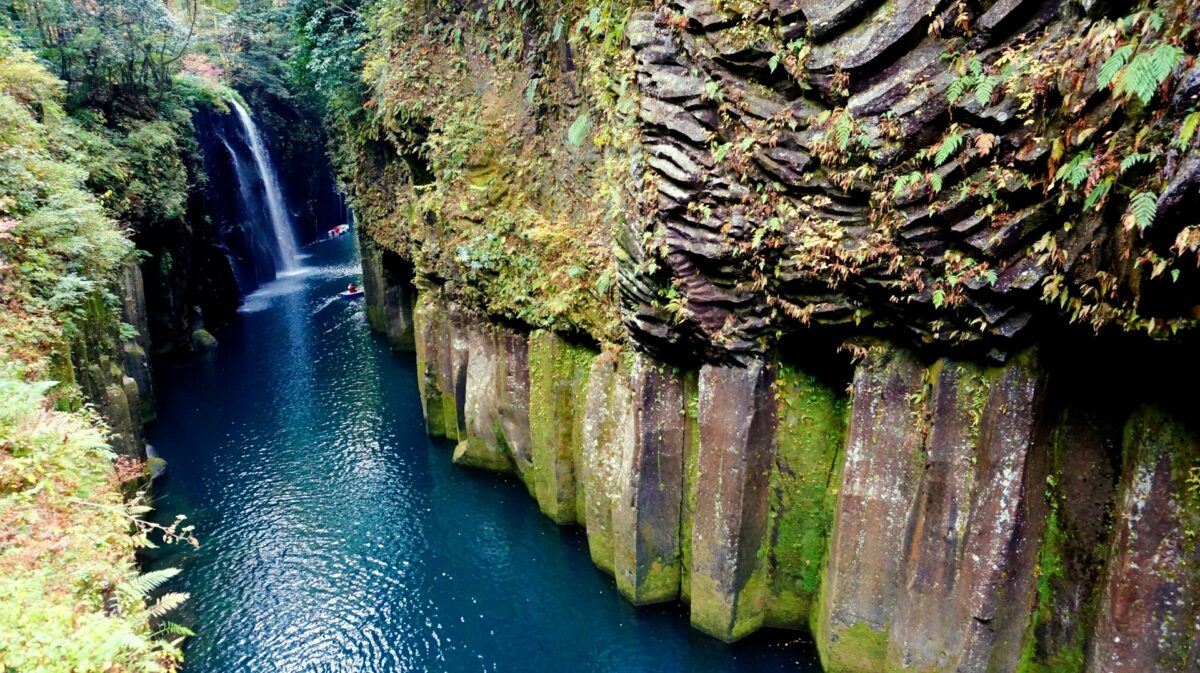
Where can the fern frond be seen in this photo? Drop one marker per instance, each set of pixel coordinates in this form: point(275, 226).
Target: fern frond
point(579, 130)
point(1186, 131)
point(985, 89)
point(176, 629)
point(166, 603)
point(144, 584)
point(1137, 158)
point(1108, 71)
point(1142, 209)
point(1096, 196)
point(1148, 70)
point(950, 146)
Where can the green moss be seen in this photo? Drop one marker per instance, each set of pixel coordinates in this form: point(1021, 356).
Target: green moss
point(809, 440)
point(855, 649)
point(691, 453)
point(723, 615)
point(426, 316)
point(475, 452)
point(558, 373)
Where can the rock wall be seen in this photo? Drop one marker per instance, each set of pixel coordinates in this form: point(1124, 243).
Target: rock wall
point(942, 516)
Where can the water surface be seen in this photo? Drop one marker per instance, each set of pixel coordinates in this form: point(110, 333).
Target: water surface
point(337, 537)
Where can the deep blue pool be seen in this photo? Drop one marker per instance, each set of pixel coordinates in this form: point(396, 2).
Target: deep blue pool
point(336, 536)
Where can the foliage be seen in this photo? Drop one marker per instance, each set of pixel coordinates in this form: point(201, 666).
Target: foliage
point(63, 516)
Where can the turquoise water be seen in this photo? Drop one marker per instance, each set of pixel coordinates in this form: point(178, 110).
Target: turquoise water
point(337, 537)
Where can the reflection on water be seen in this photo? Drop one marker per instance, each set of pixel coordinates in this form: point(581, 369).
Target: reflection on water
point(337, 537)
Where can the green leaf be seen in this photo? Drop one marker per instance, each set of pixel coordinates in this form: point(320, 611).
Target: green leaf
point(951, 144)
point(1148, 70)
point(531, 90)
point(1143, 207)
point(773, 62)
point(144, 584)
point(1096, 196)
point(1186, 131)
point(579, 130)
point(1137, 158)
point(1113, 65)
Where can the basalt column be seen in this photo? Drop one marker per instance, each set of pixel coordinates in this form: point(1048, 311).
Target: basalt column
point(737, 422)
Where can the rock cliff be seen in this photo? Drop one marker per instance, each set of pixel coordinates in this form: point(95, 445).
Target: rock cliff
point(842, 317)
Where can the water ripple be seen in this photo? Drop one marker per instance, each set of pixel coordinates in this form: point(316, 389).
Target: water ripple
point(336, 537)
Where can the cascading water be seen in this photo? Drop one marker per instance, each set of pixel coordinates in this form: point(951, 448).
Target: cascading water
point(285, 238)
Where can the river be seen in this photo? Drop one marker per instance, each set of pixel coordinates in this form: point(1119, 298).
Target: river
point(337, 537)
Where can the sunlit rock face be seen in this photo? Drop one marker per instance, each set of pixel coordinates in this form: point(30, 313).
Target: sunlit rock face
point(937, 171)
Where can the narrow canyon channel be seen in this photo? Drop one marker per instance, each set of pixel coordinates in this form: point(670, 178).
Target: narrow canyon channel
point(336, 536)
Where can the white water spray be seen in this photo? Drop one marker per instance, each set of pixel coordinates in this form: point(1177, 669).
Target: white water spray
point(285, 239)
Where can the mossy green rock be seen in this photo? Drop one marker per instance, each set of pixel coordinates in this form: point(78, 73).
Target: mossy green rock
point(737, 425)
point(1149, 613)
point(880, 475)
point(558, 373)
point(647, 516)
point(427, 318)
point(606, 438)
point(804, 480)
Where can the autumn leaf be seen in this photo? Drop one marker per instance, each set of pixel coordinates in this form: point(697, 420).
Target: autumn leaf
point(984, 143)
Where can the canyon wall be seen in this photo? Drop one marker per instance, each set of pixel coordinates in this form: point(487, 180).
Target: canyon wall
point(913, 514)
point(855, 318)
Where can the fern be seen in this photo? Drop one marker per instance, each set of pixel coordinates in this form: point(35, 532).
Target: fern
point(985, 89)
point(950, 146)
point(144, 584)
point(1108, 71)
point(579, 130)
point(906, 182)
point(1186, 131)
point(166, 603)
point(176, 629)
point(1142, 209)
point(1096, 196)
point(1148, 70)
point(1137, 158)
point(1075, 171)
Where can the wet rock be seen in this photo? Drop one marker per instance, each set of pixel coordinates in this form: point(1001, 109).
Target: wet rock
point(736, 423)
point(428, 334)
point(925, 634)
point(606, 438)
point(880, 477)
point(647, 516)
point(558, 374)
point(1149, 617)
point(803, 491)
point(514, 400)
point(203, 340)
point(389, 294)
point(484, 445)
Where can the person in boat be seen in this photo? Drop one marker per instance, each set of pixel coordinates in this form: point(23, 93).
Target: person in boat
point(351, 288)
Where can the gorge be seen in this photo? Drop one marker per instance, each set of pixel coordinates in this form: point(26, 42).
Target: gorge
point(852, 337)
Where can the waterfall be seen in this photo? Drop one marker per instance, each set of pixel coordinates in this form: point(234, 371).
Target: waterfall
point(285, 239)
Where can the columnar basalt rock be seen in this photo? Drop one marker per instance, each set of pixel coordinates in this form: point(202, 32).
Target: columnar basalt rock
point(607, 436)
point(389, 294)
point(649, 510)
point(483, 444)
point(880, 478)
point(514, 400)
point(558, 374)
point(1149, 614)
point(949, 516)
point(428, 333)
point(737, 424)
point(804, 486)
